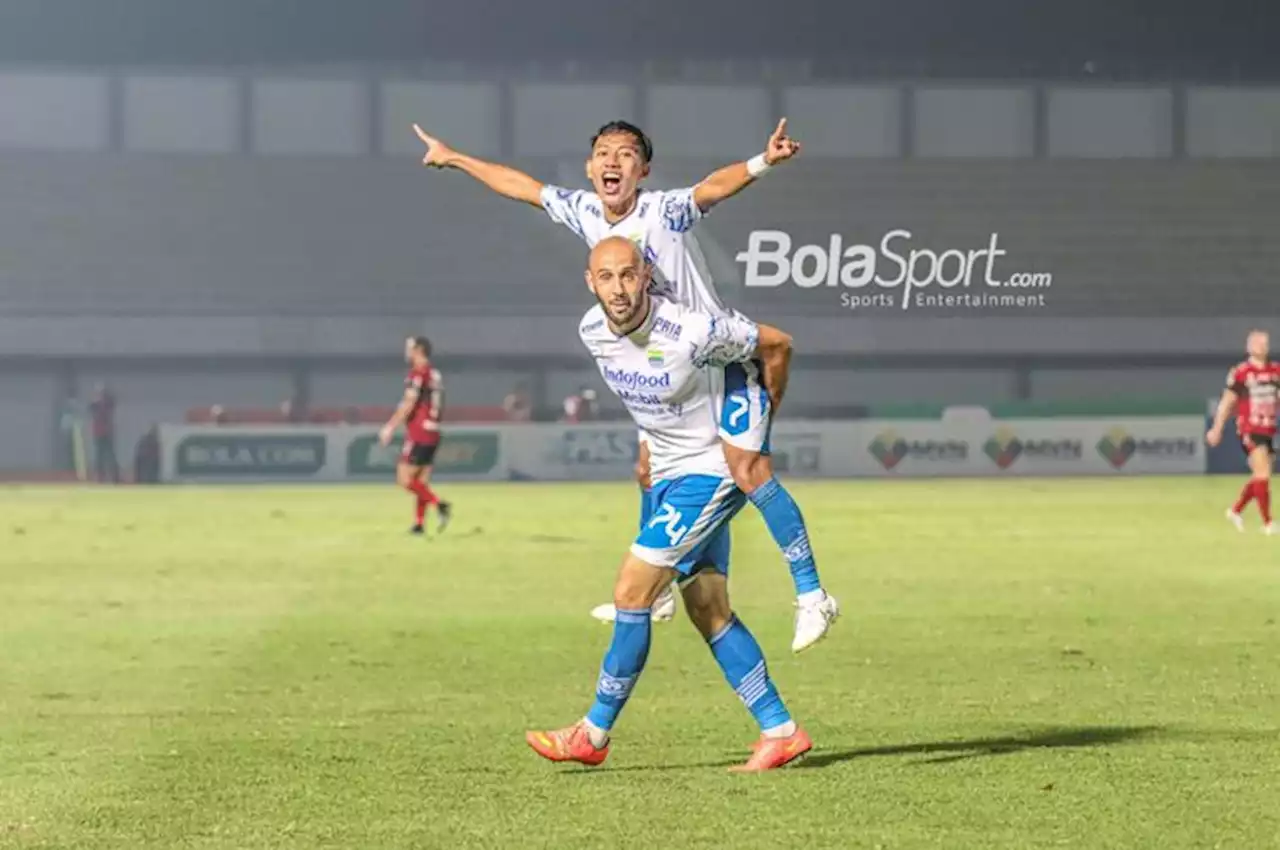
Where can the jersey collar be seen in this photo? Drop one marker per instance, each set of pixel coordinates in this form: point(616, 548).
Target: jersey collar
point(640, 333)
point(635, 205)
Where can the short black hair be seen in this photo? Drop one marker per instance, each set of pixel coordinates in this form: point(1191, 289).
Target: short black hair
point(422, 344)
point(620, 126)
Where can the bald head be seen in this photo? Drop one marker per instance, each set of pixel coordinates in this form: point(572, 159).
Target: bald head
point(613, 250)
point(619, 277)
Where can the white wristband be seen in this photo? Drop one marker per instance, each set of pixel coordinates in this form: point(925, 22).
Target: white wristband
point(756, 166)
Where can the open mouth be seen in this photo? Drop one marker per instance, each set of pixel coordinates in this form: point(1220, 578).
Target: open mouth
point(611, 181)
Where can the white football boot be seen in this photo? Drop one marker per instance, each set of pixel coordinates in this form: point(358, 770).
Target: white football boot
point(813, 620)
point(1235, 519)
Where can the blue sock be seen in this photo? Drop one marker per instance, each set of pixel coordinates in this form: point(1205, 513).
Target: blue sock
point(782, 516)
point(622, 665)
point(740, 658)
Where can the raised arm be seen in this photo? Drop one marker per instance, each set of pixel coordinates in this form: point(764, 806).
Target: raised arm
point(506, 181)
point(732, 179)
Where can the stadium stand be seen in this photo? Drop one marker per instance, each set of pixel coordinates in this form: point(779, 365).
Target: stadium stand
point(262, 236)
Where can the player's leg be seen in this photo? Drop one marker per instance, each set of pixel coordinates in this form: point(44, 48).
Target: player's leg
point(443, 509)
point(664, 608)
point(1236, 511)
point(1257, 452)
point(416, 463)
point(1261, 460)
point(741, 660)
point(745, 422)
point(685, 514)
point(637, 587)
point(408, 477)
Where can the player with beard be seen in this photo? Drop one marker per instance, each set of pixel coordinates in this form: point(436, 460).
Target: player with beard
point(666, 363)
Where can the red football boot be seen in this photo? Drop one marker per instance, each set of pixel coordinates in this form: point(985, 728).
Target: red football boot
point(772, 753)
point(569, 744)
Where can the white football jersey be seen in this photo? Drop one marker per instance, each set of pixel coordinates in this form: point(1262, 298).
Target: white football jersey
point(661, 224)
point(669, 373)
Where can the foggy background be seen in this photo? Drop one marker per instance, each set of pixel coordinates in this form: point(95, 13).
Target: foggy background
point(221, 203)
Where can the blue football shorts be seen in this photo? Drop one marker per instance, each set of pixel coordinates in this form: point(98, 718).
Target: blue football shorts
point(746, 416)
point(684, 523)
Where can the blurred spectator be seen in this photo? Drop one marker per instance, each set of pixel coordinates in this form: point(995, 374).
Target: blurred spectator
point(581, 407)
point(519, 404)
point(218, 414)
point(102, 413)
point(146, 458)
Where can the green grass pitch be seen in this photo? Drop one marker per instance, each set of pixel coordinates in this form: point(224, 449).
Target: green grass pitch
point(1021, 664)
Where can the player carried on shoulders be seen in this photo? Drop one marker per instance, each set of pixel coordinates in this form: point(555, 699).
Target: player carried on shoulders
point(664, 361)
point(660, 224)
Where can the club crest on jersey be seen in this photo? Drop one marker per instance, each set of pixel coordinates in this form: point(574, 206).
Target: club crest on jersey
point(655, 356)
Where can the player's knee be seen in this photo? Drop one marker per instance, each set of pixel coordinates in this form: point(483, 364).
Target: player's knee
point(638, 584)
point(706, 601)
point(634, 597)
point(749, 469)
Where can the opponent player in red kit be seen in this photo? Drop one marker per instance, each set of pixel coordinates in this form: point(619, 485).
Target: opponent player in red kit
point(419, 412)
point(1252, 388)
